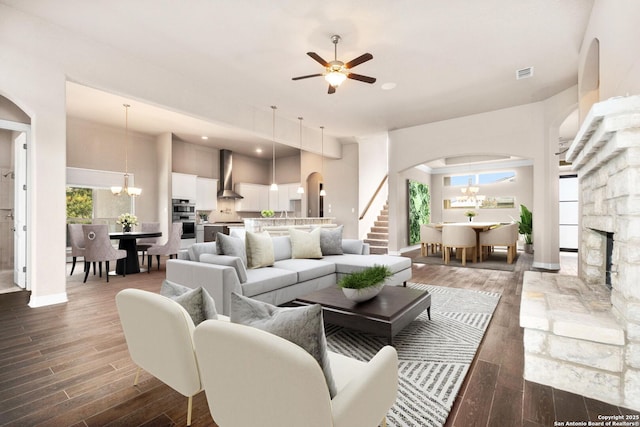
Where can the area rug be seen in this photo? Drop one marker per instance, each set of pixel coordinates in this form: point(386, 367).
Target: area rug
point(497, 261)
point(434, 355)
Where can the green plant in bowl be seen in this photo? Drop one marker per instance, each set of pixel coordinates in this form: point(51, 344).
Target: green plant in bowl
point(366, 284)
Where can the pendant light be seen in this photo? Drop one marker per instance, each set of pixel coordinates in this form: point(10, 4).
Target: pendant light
point(131, 191)
point(274, 186)
point(300, 187)
point(323, 192)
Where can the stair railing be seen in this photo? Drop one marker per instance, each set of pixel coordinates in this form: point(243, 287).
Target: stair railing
point(375, 194)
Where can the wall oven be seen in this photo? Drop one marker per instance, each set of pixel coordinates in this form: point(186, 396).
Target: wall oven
point(184, 211)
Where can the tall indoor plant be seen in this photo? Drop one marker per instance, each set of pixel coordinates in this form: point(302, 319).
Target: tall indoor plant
point(525, 227)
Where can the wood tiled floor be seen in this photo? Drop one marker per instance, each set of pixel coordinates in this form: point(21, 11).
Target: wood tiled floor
point(68, 365)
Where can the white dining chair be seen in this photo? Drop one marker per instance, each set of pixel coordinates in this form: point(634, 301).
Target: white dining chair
point(458, 237)
point(430, 236)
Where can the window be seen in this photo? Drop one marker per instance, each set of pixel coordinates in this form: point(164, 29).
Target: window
point(479, 179)
point(89, 197)
point(87, 205)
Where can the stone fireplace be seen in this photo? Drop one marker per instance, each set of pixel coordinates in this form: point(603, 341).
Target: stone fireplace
point(582, 334)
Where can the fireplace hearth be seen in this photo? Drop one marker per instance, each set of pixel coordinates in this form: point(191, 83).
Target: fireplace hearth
point(582, 334)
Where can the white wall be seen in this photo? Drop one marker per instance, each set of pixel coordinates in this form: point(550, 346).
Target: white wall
point(341, 183)
point(92, 145)
point(615, 25)
point(373, 161)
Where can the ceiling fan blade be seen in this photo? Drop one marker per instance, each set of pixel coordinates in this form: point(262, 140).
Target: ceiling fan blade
point(331, 90)
point(361, 78)
point(318, 58)
point(306, 77)
point(359, 60)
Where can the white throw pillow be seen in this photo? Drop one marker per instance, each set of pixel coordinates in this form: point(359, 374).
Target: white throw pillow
point(259, 249)
point(305, 245)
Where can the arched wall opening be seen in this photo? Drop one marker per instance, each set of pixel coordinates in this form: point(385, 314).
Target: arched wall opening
point(589, 79)
point(314, 201)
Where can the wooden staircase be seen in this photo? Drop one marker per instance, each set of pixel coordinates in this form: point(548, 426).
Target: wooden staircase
point(378, 237)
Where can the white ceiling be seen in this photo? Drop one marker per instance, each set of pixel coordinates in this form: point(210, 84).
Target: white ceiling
point(447, 58)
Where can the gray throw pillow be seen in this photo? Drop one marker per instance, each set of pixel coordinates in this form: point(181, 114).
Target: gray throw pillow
point(302, 326)
point(232, 246)
point(229, 261)
point(331, 240)
point(197, 302)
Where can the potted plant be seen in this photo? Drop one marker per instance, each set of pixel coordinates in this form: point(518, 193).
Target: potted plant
point(366, 284)
point(525, 227)
point(470, 214)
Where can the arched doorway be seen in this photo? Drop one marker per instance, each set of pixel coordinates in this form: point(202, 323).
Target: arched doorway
point(315, 208)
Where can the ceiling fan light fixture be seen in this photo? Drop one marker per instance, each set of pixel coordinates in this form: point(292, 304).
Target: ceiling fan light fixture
point(335, 78)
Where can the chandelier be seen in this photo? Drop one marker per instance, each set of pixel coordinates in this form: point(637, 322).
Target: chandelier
point(470, 190)
point(131, 191)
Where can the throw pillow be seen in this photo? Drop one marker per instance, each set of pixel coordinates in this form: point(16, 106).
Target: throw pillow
point(302, 326)
point(197, 302)
point(198, 249)
point(232, 246)
point(229, 261)
point(259, 249)
point(304, 244)
point(331, 240)
point(352, 246)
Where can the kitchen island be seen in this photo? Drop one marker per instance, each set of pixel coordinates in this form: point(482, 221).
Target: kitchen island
point(281, 226)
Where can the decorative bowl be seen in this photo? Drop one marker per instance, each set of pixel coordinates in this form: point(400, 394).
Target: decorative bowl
point(364, 294)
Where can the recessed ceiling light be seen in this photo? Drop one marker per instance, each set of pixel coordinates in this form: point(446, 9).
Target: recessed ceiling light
point(388, 86)
point(259, 150)
point(204, 137)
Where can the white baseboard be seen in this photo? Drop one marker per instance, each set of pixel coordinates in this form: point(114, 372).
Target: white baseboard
point(43, 301)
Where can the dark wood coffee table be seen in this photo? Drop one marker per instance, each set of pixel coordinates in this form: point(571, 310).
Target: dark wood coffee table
point(386, 314)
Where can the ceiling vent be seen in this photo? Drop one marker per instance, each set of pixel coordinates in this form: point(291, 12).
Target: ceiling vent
point(524, 73)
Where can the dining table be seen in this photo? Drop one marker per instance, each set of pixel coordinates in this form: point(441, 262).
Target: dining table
point(128, 242)
point(477, 226)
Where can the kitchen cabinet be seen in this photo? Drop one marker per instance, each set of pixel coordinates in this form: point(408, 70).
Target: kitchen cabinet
point(281, 200)
point(183, 186)
point(293, 191)
point(256, 197)
point(206, 194)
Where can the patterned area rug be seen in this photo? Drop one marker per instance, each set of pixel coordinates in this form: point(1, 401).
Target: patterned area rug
point(434, 355)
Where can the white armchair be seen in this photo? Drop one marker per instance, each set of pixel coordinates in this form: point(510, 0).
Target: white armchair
point(254, 378)
point(159, 334)
point(505, 235)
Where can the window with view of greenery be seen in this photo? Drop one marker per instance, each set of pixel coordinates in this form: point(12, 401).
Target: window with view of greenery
point(86, 205)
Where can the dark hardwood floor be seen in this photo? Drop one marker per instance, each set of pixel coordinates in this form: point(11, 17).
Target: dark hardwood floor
point(68, 364)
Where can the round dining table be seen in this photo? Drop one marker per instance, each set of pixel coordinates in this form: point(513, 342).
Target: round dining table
point(128, 243)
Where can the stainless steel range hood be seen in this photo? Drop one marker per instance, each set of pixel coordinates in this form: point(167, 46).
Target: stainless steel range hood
point(226, 177)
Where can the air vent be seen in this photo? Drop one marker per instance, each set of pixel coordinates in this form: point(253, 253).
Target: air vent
point(524, 73)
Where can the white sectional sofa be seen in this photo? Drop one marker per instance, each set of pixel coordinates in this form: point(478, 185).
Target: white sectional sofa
point(287, 279)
